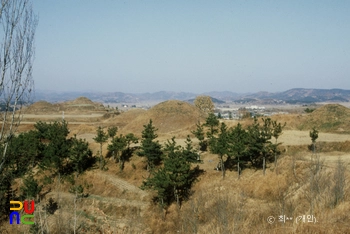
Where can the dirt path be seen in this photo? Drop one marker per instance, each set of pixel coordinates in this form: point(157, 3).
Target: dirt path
point(295, 137)
point(124, 185)
point(135, 200)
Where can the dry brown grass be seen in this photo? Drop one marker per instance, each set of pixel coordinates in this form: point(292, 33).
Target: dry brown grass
point(116, 205)
point(330, 118)
point(170, 117)
point(77, 105)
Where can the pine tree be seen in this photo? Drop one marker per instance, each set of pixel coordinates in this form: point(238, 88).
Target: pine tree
point(277, 129)
point(260, 146)
point(101, 138)
point(212, 122)
point(240, 141)
point(80, 155)
point(131, 138)
point(23, 152)
point(6, 193)
point(31, 188)
point(172, 182)
point(112, 131)
point(219, 115)
point(266, 134)
point(189, 153)
point(221, 145)
point(149, 148)
point(314, 135)
point(55, 145)
point(199, 134)
point(117, 146)
point(160, 182)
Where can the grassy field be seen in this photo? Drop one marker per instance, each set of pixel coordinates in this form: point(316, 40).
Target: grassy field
point(300, 185)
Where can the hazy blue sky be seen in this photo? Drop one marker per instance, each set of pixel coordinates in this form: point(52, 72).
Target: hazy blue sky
point(192, 46)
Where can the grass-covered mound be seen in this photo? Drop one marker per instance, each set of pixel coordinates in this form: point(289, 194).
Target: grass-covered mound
point(169, 117)
point(329, 118)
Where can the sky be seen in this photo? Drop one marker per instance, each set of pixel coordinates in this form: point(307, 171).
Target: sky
point(191, 46)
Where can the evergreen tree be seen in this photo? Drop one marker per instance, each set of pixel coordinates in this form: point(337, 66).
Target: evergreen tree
point(277, 129)
point(120, 147)
point(112, 131)
point(101, 138)
point(212, 122)
point(239, 147)
point(266, 135)
point(260, 146)
point(31, 188)
point(55, 146)
point(172, 182)
point(189, 153)
point(23, 152)
point(199, 134)
point(149, 148)
point(80, 155)
point(160, 182)
point(6, 193)
point(314, 135)
point(219, 115)
point(221, 145)
point(254, 146)
point(131, 138)
point(58, 152)
point(117, 146)
point(179, 172)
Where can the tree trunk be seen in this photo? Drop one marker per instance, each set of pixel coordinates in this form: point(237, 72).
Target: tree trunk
point(75, 212)
point(177, 197)
point(264, 165)
point(121, 164)
point(100, 156)
point(222, 167)
point(276, 156)
point(275, 159)
point(238, 169)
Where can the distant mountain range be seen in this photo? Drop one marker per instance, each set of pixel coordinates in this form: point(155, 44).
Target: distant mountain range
point(292, 96)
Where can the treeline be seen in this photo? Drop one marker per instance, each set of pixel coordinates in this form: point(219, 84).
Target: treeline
point(171, 173)
point(47, 148)
point(173, 169)
point(238, 147)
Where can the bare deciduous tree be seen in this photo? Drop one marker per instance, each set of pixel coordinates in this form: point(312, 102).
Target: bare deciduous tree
point(204, 103)
point(18, 23)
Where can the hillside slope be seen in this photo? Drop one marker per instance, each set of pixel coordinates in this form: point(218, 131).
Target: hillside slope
point(329, 118)
point(169, 117)
point(77, 105)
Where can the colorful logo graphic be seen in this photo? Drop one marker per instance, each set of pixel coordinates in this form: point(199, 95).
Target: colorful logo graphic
point(28, 212)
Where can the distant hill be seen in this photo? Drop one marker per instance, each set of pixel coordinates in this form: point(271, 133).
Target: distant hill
point(292, 96)
point(78, 104)
point(312, 95)
point(214, 100)
point(329, 118)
